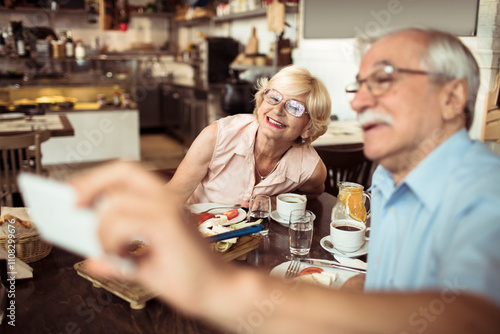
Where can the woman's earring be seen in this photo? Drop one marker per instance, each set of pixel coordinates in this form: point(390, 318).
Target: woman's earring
point(303, 140)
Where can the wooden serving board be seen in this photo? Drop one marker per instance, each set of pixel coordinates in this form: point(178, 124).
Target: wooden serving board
point(241, 248)
point(136, 294)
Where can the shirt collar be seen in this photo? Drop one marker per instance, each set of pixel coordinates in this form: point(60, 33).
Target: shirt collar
point(425, 180)
point(285, 170)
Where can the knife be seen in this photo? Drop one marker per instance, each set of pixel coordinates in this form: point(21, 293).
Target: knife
point(331, 264)
point(236, 233)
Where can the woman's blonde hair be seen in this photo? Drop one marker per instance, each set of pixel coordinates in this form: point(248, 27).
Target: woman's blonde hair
point(296, 80)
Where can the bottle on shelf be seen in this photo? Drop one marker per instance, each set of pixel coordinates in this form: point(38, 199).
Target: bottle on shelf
point(69, 45)
point(80, 51)
point(21, 46)
point(116, 100)
point(10, 43)
point(3, 48)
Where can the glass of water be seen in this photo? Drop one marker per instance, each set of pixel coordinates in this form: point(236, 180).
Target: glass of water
point(300, 231)
point(260, 208)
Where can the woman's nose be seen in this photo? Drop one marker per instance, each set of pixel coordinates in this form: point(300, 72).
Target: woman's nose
point(281, 108)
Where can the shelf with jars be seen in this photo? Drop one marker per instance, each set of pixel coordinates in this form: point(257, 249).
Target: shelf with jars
point(28, 10)
point(258, 12)
point(91, 70)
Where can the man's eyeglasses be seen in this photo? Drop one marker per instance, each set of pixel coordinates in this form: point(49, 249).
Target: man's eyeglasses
point(381, 80)
point(293, 107)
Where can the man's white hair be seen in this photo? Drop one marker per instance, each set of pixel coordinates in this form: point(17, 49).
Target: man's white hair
point(446, 55)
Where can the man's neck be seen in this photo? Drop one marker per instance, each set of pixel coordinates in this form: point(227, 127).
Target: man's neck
point(401, 165)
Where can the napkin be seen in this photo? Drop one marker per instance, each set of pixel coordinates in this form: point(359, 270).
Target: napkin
point(348, 262)
point(16, 268)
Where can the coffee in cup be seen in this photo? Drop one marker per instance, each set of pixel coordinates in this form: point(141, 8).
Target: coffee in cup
point(286, 203)
point(348, 235)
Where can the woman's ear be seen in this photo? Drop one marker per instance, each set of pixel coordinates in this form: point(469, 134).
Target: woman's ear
point(306, 131)
point(454, 99)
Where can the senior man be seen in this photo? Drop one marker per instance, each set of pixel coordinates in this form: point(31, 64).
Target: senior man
point(434, 259)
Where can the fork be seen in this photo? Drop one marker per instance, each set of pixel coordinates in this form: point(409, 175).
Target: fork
point(293, 269)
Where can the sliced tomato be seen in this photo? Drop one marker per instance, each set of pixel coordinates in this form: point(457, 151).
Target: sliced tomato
point(310, 270)
point(204, 216)
point(231, 214)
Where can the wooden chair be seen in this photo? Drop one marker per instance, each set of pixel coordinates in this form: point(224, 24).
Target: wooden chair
point(19, 153)
point(491, 119)
point(345, 163)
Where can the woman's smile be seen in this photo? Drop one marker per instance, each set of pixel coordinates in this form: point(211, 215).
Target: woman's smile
point(275, 123)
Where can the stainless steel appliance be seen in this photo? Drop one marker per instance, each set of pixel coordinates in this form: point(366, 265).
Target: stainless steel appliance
point(216, 53)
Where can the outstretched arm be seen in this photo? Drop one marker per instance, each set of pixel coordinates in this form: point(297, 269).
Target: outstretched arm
point(184, 273)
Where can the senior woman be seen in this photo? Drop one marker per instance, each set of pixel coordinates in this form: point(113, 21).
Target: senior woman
point(268, 152)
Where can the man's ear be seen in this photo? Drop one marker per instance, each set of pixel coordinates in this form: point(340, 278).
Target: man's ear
point(454, 99)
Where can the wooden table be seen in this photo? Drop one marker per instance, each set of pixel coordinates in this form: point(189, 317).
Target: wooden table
point(59, 125)
point(341, 133)
point(57, 300)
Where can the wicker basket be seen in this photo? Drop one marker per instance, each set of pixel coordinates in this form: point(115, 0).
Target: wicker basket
point(29, 246)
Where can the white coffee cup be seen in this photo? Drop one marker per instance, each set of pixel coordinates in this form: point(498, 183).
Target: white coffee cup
point(286, 203)
point(348, 235)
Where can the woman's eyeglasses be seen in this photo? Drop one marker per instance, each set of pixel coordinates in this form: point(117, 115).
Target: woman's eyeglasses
point(293, 107)
point(380, 81)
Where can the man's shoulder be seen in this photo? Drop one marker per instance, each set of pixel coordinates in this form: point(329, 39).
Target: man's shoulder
point(479, 163)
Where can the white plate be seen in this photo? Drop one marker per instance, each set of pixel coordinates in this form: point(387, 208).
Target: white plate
point(242, 214)
point(362, 251)
point(11, 116)
point(343, 275)
point(196, 208)
point(276, 216)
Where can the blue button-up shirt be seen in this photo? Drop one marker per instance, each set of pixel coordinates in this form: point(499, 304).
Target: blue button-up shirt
point(439, 228)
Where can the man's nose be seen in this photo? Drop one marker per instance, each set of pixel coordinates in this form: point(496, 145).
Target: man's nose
point(363, 99)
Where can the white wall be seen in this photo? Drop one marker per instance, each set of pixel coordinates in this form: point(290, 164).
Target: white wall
point(333, 62)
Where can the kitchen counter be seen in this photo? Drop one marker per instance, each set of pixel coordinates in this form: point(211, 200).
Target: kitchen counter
point(100, 135)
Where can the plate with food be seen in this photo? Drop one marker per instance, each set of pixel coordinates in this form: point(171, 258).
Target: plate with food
point(204, 211)
point(324, 276)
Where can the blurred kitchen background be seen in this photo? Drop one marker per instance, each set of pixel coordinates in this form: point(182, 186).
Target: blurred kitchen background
point(161, 70)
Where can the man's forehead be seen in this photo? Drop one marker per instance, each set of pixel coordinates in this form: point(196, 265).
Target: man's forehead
point(398, 50)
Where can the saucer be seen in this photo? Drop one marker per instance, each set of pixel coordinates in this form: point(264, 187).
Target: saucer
point(362, 251)
point(276, 216)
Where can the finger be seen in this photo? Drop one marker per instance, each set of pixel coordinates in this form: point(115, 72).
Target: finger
point(103, 268)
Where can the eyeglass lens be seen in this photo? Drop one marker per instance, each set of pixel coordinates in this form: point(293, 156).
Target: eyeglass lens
point(378, 83)
point(293, 107)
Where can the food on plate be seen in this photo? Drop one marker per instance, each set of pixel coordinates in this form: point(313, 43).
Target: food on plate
point(318, 276)
point(310, 270)
point(16, 221)
point(216, 225)
point(231, 214)
point(219, 246)
point(200, 218)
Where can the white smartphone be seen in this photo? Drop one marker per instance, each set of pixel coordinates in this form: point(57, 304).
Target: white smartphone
point(52, 206)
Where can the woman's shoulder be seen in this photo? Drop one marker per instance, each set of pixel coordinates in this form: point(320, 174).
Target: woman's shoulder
point(238, 120)
point(237, 125)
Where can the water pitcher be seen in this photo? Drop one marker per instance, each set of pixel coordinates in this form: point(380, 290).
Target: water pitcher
point(350, 203)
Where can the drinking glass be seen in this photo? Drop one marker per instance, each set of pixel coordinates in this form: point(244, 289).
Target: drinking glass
point(260, 208)
point(300, 231)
